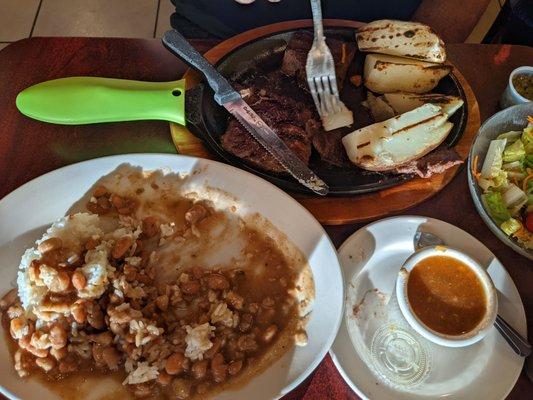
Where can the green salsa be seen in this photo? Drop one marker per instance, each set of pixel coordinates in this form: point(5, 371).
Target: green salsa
point(523, 84)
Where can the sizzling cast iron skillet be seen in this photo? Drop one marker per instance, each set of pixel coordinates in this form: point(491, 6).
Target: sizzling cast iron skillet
point(208, 121)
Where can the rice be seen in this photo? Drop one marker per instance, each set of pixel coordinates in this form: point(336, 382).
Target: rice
point(197, 340)
point(73, 230)
point(221, 313)
point(143, 373)
point(95, 270)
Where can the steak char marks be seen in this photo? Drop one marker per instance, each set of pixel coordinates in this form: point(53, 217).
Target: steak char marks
point(282, 100)
point(277, 101)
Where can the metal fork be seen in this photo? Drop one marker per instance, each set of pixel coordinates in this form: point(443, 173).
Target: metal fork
point(320, 69)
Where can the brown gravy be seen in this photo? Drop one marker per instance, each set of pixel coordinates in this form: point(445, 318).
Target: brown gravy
point(446, 295)
point(270, 268)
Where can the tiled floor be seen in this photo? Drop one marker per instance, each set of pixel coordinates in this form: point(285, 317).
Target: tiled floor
point(119, 18)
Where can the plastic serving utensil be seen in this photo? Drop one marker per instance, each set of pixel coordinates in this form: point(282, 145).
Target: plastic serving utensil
point(88, 100)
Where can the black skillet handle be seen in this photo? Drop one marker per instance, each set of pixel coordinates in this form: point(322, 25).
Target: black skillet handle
point(176, 43)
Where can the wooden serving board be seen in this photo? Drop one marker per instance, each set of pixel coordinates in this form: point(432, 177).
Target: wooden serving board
point(349, 209)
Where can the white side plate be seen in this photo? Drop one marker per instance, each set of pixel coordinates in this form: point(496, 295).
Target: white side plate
point(371, 258)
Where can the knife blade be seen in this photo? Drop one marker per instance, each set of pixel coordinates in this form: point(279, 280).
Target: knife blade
point(229, 98)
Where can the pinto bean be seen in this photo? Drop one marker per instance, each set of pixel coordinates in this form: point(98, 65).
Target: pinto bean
point(91, 244)
point(100, 191)
point(150, 226)
point(97, 352)
point(190, 287)
point(268, 302)
point(104, 205)
point(247, 343)
point(253, 308)
point(60, 283)
point(78, 280)
point(46, 363)
point(121, 246)
point(124, 205)
point(181, 388)
point(142, 390)
point(78, 312)
point(235, 300)
point(111, 357)
point(48, 245)
point(217, 343)
point(199, 369)
point(163, 378)
point(234, 367)
point(219, 368)
point(95, 317)
point(34, 273)
point(195, 214)
point(19, 327)
point(174, 364)
point(59, 354)
point(41, 353)
point(104, 338)
point(246, 322)
point(217, 281)
point(58, 336)
point(162, 302)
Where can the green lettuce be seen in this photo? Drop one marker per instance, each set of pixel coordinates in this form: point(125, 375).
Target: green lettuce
point(528, 161)
point(514, 152)
point(494, 203)
point(527, 135)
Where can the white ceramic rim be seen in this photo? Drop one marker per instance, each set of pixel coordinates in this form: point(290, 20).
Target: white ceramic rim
point(525, 68)
point(468, 338)
point(138, 159)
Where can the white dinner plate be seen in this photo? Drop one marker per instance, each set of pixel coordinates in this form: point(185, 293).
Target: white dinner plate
point(371, 258)
point(29, 210)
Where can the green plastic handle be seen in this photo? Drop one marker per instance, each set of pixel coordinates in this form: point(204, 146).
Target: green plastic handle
point(89, 100)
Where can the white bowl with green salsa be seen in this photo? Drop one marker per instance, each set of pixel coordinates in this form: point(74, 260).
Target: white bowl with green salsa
point(519, 89)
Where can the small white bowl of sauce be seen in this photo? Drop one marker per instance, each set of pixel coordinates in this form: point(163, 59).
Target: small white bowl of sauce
point(519, 89)
point(446, 296)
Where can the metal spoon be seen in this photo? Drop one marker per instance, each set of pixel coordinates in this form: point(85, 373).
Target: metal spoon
point(518, 343)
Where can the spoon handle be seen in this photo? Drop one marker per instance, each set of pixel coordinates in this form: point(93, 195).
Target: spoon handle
point(515, 340)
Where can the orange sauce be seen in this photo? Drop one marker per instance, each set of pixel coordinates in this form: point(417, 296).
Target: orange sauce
point(446, 295)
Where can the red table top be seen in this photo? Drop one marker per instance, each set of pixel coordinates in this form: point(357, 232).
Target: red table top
point(29, 148)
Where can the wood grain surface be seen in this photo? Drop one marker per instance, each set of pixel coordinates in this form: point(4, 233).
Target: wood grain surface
point(346, 209)
point(30, 148)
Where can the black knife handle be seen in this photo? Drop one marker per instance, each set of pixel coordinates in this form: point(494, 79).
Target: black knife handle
point(176, 43)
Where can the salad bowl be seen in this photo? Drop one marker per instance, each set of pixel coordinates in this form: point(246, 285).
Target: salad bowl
point(511, 119)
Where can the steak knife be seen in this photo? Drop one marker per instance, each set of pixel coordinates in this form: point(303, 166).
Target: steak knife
point(230, 99)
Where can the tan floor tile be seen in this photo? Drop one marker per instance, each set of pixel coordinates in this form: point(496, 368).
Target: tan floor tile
point(114, 18)
point(16, 19)
point(166, 8)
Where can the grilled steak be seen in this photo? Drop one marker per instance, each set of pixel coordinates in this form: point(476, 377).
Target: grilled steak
point(285, 105)
point(295, 56)
point(240, 143)
point(435, 162)
point(327, 144)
